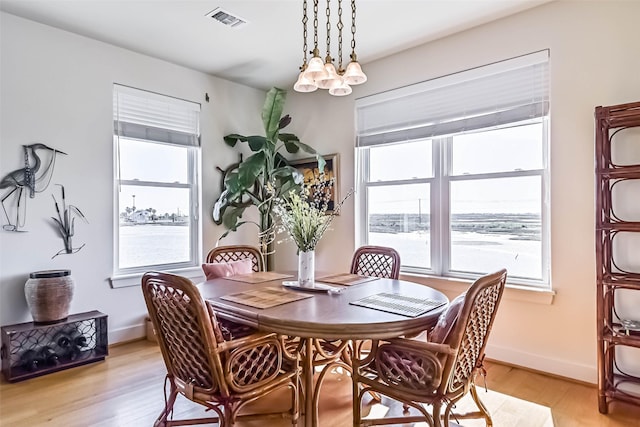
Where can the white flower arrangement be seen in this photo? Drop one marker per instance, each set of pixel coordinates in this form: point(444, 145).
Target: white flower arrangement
point(304, 215)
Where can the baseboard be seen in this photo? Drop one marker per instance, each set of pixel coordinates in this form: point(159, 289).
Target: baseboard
point(129, 333)
point(562, 368)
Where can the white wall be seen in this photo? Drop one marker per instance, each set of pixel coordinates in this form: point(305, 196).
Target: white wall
point(56, 88)
point(595, 60)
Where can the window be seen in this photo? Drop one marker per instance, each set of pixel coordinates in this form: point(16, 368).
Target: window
point(157, 147)
point(453, 172)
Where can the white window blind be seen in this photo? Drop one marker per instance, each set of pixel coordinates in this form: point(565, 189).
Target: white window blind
point(490, 96)
point(145, 115)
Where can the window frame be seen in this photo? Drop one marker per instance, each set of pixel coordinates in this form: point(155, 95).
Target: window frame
point(129, 276)
point(440, 190)
point(497, 95)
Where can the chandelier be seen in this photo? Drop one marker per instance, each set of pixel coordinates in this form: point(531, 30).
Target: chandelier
point(323, 74)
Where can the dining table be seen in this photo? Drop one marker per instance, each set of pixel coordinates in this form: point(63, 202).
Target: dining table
point(353, 308)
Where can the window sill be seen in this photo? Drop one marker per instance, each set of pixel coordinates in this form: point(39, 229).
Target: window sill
point(457, 286)
point(193, 273)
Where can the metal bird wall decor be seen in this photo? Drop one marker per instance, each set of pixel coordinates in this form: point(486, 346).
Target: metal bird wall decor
point(29, 179)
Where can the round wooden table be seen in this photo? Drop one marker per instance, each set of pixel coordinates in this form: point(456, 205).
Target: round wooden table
point(324, 316)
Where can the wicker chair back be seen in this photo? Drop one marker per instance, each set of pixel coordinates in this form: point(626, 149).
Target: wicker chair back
point(471, 331)
point(376, 261)
point(236, 253)
point(184, 328)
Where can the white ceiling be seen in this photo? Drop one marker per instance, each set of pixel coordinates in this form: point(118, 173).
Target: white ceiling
point(268, 51)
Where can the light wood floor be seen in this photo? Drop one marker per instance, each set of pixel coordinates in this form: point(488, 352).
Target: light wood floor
point(126, 390)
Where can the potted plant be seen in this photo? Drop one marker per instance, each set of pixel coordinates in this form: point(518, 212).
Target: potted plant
point(263, 176)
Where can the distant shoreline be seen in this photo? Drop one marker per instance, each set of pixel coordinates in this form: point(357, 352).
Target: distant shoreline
point(176, 223)
point(519, 226)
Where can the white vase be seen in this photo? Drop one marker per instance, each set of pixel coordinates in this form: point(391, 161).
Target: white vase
point(306, 268)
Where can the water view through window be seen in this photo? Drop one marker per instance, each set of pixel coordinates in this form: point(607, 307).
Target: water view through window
point(154, 205)
point(479, 244)
point(489, 213)
point(153, 244)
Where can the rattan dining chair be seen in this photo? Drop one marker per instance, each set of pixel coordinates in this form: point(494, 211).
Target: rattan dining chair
point(376, 261)
point(221, 375)
point(372, 261)
point(438, 374)
point(236, 253)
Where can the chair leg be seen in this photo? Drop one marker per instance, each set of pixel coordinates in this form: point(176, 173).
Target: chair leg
point(437, 419)
point(357, 403)
point(295, 403)
point(481, 406)
point(229, 418)
point(161, 421)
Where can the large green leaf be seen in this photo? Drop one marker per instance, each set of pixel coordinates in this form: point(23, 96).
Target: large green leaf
point(256, 143)
point(250, 169)
point(219, 207)
point(271, 112)
point(231, 218)
point(286, 178)
point(291, 147)
point(306, 148)
point(290, 142)
point(280, 161)
point(321, 161)
point(233, 185)
point(288, 137)
point(287, 171)
point(232, 139)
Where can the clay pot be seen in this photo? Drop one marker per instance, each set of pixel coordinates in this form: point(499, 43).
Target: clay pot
point(49, 295)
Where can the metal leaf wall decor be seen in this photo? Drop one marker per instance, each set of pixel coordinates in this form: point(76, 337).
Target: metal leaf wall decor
point(64, 223)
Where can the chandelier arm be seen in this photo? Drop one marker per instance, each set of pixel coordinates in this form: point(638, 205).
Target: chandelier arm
point(340, 26)
point(328, 13)
point(315, 27)
point(353, 30)
point(305, 19)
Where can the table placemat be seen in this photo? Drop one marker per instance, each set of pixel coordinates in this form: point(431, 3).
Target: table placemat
point(346, 279)
point(265, 297)
point(399, 304)
point(259, 277)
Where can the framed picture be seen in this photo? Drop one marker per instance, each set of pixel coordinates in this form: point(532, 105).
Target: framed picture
point(309, 169)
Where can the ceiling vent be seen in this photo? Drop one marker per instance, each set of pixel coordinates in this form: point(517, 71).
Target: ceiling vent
point(227, 18)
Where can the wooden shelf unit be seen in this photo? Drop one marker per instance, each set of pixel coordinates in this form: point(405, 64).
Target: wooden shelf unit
point(20, 338)
point(613, 383)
